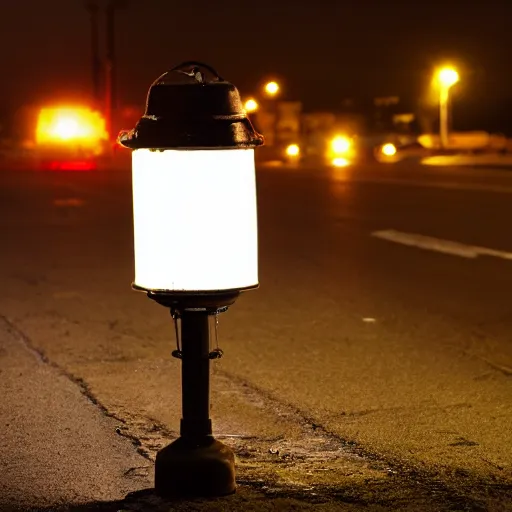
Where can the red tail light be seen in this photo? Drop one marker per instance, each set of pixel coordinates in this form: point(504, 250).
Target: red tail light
point(70, 165)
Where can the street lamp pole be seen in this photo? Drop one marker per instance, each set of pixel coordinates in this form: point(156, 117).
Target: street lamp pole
point(271, 91)
point(447, 77)
point(111, 102)
point(444, 100)
point(93, 8)
point(195, 373)
point(195, 464)
point(109, 65)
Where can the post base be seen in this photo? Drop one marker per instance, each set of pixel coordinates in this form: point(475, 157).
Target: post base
point(195, 468)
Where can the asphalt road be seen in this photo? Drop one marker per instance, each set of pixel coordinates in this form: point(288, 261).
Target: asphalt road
point(373, 366)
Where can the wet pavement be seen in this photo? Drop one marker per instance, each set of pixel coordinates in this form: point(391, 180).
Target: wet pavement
point(363, 374)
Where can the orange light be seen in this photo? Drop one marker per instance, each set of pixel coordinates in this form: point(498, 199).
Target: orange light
point(251, 105)
point(272, 88)
point(389, 149)
point(448, 76)
point(63, 125)
point(340, 145)
point(340, 162)
point(293, 150)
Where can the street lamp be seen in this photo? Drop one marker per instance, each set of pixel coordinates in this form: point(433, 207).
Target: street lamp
point(388, 149)
point(340, 145)
point(271, 88)
point(195, 237)
point(447, 77)
point(293, 150)
point(251, 105)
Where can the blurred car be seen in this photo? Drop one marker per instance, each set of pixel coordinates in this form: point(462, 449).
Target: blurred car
point(335, 151)
point(392, 152)
point(70, 138)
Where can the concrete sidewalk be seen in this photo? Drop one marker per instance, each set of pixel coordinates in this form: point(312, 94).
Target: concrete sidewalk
point(60, 451)
point(56, 447)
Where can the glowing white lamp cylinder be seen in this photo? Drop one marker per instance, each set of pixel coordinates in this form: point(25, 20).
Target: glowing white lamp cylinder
point(195, 220)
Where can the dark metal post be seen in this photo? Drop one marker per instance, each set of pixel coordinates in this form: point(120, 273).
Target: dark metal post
point(195, 375)
point(110, 66)
point(92, 7)
point(195, 464)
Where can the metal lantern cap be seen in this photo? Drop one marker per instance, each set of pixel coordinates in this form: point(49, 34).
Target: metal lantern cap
point(192, 107)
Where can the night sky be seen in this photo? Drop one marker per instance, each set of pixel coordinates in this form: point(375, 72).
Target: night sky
point(322, 50)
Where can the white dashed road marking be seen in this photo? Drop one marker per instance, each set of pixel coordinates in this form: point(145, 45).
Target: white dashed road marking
point(439, 245)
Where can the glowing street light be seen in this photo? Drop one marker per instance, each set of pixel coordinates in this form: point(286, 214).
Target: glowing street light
point(340, 145)
point(388, 149)
point(447, 77)
point(196, 245)
point(251, 105)
point(271, 88)
point(293, 150)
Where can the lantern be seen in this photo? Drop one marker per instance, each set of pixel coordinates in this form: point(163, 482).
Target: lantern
point(194, 187)
point(196, 244)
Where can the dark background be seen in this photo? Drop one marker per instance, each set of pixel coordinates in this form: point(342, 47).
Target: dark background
point(322, 51)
